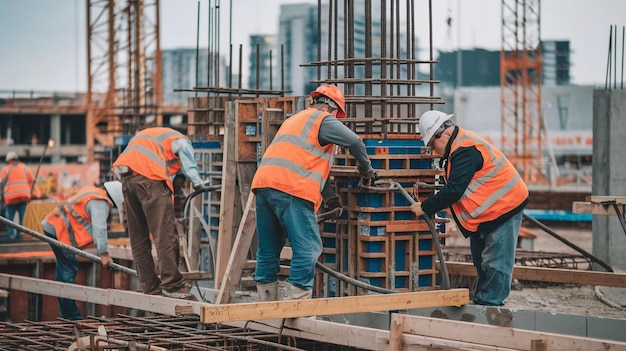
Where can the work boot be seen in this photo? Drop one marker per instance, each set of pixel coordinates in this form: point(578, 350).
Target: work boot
point(182, 292)
point(268, 291)
point(289, 291)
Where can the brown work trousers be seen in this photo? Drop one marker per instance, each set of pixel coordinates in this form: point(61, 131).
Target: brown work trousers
point(150, 210)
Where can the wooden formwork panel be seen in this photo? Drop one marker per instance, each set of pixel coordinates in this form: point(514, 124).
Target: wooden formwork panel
point(378, 239)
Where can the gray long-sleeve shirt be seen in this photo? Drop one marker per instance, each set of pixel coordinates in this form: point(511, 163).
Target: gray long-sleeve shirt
point(332, 131)
point(184, 150)
point(98, 211)
point(335, 132)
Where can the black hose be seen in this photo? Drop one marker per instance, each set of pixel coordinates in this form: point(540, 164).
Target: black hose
point(196, 193)
point(568, 243)
point(444, 269)
point(395, 186)
point(352, 281)
point(72, 249)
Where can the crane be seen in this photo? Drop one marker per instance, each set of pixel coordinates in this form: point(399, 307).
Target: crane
point(124, 87)
point(520, 87)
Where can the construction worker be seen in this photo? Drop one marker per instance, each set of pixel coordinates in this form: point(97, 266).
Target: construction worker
point(486, 196)
point(288, 186)
point(81, 221)
point(17, 182)
point(147, 168)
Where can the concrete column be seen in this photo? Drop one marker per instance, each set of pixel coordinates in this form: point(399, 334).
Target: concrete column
point(609, 172)
point(55, 134)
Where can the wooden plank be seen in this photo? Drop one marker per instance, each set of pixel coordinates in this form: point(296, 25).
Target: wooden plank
point(406, 226)
point(395, 332)
point(237, 259)
point(621, 200)
point(502, 337)
point(362, 338)
point(227, 200)
point(596, 208)
point(552, 275)
point(129, 299)
point(330, 306)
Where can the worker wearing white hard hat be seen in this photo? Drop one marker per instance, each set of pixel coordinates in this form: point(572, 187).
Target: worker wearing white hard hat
point(17, 183)
point(486, 196)
point(430, 124)
point(81, 221)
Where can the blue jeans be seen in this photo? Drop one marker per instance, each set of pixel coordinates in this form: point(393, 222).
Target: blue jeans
point(280, 216)
point(65, 272)
point(20, 208)
point(493, 255)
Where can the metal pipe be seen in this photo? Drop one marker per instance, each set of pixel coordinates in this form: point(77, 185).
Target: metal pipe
point(72, 249)
point(43, 154)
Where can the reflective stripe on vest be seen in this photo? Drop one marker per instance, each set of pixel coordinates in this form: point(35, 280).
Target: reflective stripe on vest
point(494, 190)
point(17, 185)
point(76, 229)
point(161, 163)
point(295, 161)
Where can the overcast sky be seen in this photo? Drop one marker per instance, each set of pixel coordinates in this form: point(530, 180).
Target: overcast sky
point(43, 42)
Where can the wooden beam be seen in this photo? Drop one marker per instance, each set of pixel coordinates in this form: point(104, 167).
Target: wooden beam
point(227, 199)
point(330, 306)
point(551, 275)
point(395, 332)
point(237, 259)
point(596, 208)
point(621, 200)
point(500, 337)
point(129, 299)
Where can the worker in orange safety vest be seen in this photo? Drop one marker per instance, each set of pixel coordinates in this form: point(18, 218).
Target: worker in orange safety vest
point(291, 184)
point(486, 196)
point(17, 182)
point(81, 222)
point(146, 169)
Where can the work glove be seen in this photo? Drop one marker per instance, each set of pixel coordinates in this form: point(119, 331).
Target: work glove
point(369, 177)
point(333, 207)
point(198, 186)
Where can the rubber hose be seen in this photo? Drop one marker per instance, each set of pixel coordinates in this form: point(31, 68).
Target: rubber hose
point(567, 242)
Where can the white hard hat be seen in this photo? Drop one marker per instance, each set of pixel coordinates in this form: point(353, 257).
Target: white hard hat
point(114, 189)
point(430, 122)
point(11, 155)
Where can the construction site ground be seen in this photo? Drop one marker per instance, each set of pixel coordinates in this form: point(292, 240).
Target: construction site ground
point(570, 299)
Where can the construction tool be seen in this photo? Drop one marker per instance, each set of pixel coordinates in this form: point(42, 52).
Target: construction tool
point(72, 249)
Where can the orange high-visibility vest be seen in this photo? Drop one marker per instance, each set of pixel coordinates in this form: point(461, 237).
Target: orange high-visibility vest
point(19, 180)
point(295, 162)
point(150, 154)
point(72, 225)
point(494, 190)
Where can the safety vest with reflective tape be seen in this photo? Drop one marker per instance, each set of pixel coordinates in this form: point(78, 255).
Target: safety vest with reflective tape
point(150, 154)
point(19, 181)
point(72, 223)
point(295, 162)
point(494, 190)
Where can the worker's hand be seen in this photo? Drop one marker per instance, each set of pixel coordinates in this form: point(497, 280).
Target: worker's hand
point(198, 186)
point(369, 177)
point(334, 207)
point(417, 209)
point(56, 212)
point(105, 259)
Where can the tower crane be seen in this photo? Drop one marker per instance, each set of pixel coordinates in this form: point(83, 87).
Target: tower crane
point(124, 87)
point(520, 87)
